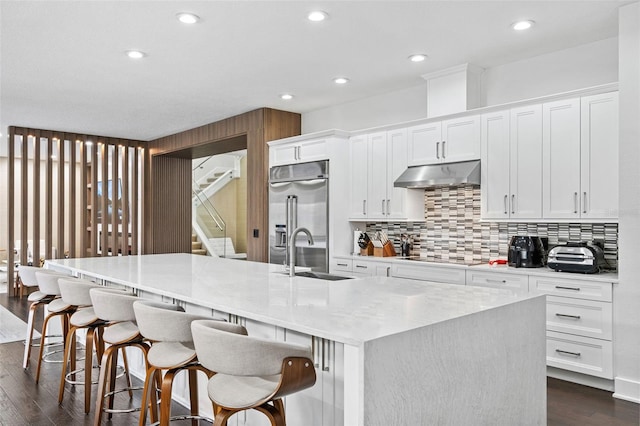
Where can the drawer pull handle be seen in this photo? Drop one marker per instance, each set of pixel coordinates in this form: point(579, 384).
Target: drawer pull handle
point(496, 281)
point(361, 266)
point(567, 288)
point(342, 264)
point(560, 351)
point(568, 316)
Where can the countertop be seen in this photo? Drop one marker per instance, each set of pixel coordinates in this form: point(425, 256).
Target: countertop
point(351, 311)
point(609, 277)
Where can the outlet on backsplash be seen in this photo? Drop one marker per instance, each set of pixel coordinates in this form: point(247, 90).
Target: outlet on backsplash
point(453, 233)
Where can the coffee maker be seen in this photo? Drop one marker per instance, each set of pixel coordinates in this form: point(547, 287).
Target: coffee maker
point(526, 251)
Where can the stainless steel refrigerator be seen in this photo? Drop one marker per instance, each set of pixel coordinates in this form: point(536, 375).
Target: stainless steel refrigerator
point(299, 196)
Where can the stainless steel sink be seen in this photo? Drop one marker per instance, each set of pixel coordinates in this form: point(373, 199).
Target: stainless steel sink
point(321, 276)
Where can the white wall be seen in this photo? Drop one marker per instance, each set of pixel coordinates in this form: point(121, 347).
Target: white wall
point(582, 66)
point(627, 293)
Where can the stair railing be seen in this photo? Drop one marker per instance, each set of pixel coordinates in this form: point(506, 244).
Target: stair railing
point(207, 222)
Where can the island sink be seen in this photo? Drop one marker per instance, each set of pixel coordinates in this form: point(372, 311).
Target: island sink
point(322, 276)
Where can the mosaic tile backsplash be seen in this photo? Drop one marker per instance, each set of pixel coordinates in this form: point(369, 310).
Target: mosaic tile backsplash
point(453, 233)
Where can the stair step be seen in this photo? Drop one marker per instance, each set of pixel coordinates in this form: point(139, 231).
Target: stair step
point(199, 251)
point(196, 245)
point(194, 237)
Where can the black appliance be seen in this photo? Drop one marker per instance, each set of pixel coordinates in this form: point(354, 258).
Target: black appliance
point(526, 252)
point(577, 257)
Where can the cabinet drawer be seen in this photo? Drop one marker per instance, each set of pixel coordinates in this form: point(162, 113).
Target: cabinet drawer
point(429, 273)
point(344, 265)
point(371, 268)
point(514, 282)
point(576, 288)
point(580, 354)
point(582, 317)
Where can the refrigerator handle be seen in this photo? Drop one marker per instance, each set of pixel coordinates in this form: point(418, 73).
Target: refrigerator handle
point(294, 213)
point(287, 228)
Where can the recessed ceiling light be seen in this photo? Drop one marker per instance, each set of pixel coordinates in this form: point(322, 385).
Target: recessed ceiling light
point(418, 57)
point(136, 54)
point(317, 16)
point(286, 96)
point(187, 18)
point(522, 25)
point(341, 80)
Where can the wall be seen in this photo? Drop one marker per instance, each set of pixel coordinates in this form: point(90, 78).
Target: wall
point(582, 66)
point(453, 232)
point(627, 293)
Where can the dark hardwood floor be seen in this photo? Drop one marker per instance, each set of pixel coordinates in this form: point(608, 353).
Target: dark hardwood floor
point(23, 402)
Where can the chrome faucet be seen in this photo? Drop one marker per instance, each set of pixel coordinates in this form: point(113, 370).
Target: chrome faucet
point(292, 248)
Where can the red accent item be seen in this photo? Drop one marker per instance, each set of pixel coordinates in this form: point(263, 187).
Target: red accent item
point(498, 262)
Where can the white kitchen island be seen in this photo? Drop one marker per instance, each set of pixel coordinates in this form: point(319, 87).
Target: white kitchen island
point(388, 351)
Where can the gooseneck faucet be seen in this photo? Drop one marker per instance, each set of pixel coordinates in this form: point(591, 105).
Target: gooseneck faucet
point(292, 248)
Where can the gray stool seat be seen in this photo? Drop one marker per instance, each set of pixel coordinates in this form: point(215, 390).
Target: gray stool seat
point(84, 317)
point(37, 296)
point(121, 332)
point(251, 373)
point(165, 355)
point(58, 305)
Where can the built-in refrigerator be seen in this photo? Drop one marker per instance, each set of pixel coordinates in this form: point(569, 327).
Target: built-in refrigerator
point(299, 197)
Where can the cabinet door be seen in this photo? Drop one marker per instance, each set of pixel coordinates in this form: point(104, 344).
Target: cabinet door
point(494, 187)
point(312, 151)
point(396, 164)
point(359, 167)
point(599, 156)
point(561, 159)
point(425, 144)
point(461, 139)
point(377, 185)
point(526, 163)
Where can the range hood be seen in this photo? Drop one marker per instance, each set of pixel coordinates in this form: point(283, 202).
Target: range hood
point(447, 174)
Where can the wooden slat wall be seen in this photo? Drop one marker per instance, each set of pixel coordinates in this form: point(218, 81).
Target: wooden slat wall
point(72, 196)
point(259, 126)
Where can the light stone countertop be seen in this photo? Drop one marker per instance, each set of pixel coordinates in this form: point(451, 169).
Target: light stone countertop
point(350, 311)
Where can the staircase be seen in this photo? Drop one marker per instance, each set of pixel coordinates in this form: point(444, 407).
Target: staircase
point(196, 246)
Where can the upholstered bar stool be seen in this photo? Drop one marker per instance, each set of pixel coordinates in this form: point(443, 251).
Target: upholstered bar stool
point(76, 293)
point(251, 373)
point(48, 284)
point(172, 350)
point(38, 299)
point(116, 308)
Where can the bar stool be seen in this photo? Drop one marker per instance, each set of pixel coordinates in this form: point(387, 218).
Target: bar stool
point(38, 299)
point(251, 373)
point(116, 308)
point(48, 284)
point(76, 292)
point(172, 350)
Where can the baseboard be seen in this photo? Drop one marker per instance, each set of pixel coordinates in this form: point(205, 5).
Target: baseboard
point(581, 379)
point(627, 389)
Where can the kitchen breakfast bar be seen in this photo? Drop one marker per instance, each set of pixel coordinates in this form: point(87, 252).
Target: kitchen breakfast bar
point(387, 351)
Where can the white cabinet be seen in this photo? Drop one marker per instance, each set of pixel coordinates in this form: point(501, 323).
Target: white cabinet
point(446, 141)
point(579, 324)
point(377, 160)
point(511, 172)
point(580, 152)
point(517, 283)
point(340, 264)
point(428, 272)
point(599, 156)
point(368, 268)
point(298, 152)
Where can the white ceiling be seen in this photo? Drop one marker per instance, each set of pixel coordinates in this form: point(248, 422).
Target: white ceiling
point(63, 65)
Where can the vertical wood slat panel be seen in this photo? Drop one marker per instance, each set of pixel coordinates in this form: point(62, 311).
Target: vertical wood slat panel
point(124, 166)
point(61, 180)
point(48, 217)
point(114, 197)
point(36, 199)
point(135, 197)
point(84, 199)
point(104, 177)
point(24, 193)
point(72, 195)
point(94, 198)
point(11, 211)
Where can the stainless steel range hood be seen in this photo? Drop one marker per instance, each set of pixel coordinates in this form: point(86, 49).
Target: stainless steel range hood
point(462, 173)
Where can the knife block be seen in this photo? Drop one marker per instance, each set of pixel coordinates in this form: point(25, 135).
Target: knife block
point(368, 251)
point(386, 250)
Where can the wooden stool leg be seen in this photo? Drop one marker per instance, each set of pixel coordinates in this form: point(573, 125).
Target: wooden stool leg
point(68, 346)
point(27, 346)
point(88, 367)
point(149, 387)
point(102, 386)
point(165, 397)
point(43, 336)
point(193, 395)
point(112, 371)
point(127, 375)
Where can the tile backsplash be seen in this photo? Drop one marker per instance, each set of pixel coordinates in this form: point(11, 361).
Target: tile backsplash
point(453, 233)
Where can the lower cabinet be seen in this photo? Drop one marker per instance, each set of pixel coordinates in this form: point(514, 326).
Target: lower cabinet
point(517, 283)
point(359, 267)
point(426, 272)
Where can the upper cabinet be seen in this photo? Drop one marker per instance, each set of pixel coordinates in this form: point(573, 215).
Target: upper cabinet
point(511, 172)
point(377, 160)
point(580, 152)
point(298, 152)
point(445, 141)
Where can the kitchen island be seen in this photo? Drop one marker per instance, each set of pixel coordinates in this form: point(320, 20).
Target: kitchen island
point(388, 351)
